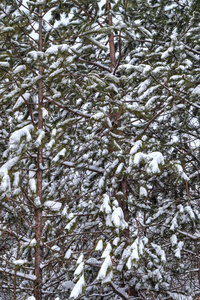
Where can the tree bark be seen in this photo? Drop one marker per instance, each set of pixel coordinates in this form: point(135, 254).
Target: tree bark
point(111, 40)
point(38, 210)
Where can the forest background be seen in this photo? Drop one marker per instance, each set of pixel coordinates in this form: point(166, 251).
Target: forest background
point(99, 149)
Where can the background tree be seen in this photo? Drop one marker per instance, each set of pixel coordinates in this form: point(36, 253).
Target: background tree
point(99, 142)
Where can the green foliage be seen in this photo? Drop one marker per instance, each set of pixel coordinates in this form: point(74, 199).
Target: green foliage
point(120, 149)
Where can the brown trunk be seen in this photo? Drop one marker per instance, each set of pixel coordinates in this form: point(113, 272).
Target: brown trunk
point(198, 262)
point(38, 211)
point(38, 255)
point(123, 187)
point(111, 40)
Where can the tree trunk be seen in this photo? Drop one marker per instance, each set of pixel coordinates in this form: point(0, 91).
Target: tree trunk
point(38, 211)
point(111, 40)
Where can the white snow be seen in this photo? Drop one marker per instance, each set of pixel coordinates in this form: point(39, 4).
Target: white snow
point(32, 184)
point(113, 165)
point(41, 135)
point(70, 224)
point(103, 271)
point(196, 91)
point(148, 92)
point(50, 144)
point(53, 74)
point(118, 218)
point(105, 207)
point(98, 116)
point(158, 70)
point(8, 165)
point(97, 43)
point(20, 100)
point(143, 86)
point(190, 212)
point(133, 257)
point(156, 275)
point(173, 240)
point(33, 243)
point(138, 158)
point(64, 47)
point(170, 7)
point(19, 69)
point(36, 54)
point(119, 168)
point(52, 205)
point(167, 52)
point(101, 182)
point(113, 87)
point(55, 248)
point(108, 277)
point(79, 270)
point(16, 179)
point(177, 296)
point(68, 254)
point(134, 252)
point(180, 171)
point(120, 290)
point(157, 158)
point(19, 262)
point(18, 134)
point(80, 259)
point(174, 222)
point(55, 48)
point(137, 145)
point(4, 64)
point(146, 69)
point(45, 113)
point(37, 201)
point(67, 285)
point(107, 251)
point(178, 249)
point(78, 288)
point(153, 159)
point(159, 252)
point(143, 192)
point(116, 241)
point(99, 246)
point(101, 3)
point(59, 154)
point(19, 274)
point(5, 184)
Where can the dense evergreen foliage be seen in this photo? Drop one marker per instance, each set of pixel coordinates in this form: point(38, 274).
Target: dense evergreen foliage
point(99, 149)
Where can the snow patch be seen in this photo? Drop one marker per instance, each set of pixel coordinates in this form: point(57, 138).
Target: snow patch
point(98, 116)
point(118, 218)
point(68, 254)
point(196, 91)
point(104, 268)
point(143, 192)
point(137, 145)
point(5, 184)
point(107, 251)
point(99, 246)
point(19, 262)
point(167, 53)
point(60, 154)
point(79, 270)
point(52, 205)
point(18, 134)
point(105, 207)
point(78, 288)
